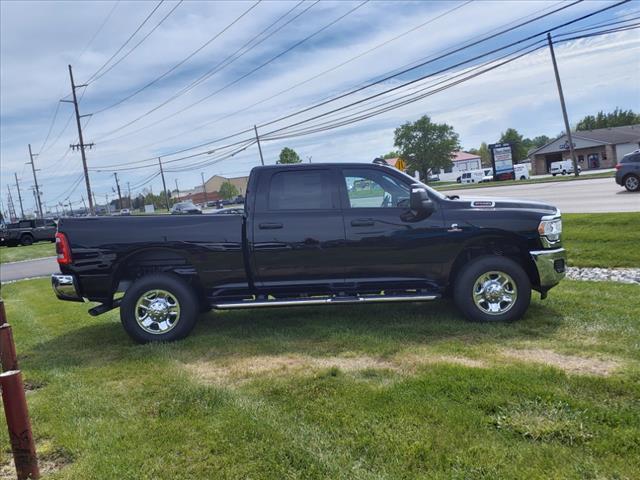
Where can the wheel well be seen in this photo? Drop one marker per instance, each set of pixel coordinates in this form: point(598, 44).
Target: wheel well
point(510, 249)
point(158, 260)
point(630, 174)
point(26, 234)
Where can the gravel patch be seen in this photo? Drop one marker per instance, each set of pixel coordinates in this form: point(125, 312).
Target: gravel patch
point(622, 275)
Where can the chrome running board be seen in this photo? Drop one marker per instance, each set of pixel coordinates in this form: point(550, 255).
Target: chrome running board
point(335, 300)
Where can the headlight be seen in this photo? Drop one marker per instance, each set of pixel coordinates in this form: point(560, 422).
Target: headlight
point(551, 229)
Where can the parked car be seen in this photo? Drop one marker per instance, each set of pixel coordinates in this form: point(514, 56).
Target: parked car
point(185, 208)
point(239, 200)
point(628, 171)
point(472, 176)
point(309, 238)
point(26, 232)
point(521, 172)
point(125, 211)
point(230, 211)
point(563, 167)
point(487, 175)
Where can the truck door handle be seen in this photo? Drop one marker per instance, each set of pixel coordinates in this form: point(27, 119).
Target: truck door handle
point(270, 226)
point(362, 222)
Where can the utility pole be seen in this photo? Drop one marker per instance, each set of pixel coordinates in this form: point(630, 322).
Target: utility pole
point(177, 189)
point(94, 201)
point(204, 189)
point(567, 127)
point(83, 202)
point(81, 145)
point(259, 147)
point(164, 185)
point(12, 209)
point(129, 194)
point(115, 174)
point(309, 158)
point(106, 197)
point(19, 194)
point(70, 208)
point(35, 180)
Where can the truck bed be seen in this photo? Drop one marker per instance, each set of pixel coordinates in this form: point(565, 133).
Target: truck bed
point(100, 246)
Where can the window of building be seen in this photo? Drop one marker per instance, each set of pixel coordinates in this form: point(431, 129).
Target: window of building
point(373, 189)
point(301, 190)
point(581, 158)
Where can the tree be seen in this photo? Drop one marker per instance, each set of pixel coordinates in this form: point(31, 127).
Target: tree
point(485, 154)
point(289, 155)
point(518, 147)
point(426, 146)
point(617, 118)
point(228, 190)
point(392, 154)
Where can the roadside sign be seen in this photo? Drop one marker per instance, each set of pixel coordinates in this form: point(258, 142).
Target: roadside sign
point(502, 161)
point(400, 165)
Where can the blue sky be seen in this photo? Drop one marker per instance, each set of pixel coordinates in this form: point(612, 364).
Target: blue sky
point(39, 39)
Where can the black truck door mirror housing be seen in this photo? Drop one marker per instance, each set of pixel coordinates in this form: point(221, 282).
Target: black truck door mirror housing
point(420, 201)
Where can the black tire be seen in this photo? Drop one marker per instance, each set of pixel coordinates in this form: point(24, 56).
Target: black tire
point(187, 301)
point(26, 240)
point(631, 183)
point(553, 174)
point(471, 273)
point(522, 177)
point(564, 172)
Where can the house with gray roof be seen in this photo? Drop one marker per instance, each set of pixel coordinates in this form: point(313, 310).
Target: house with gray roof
point(601, 148)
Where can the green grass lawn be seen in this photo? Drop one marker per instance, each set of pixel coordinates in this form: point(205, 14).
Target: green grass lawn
point(444, 186)
point(602, 239)
point(394, 391)
point(37, 250)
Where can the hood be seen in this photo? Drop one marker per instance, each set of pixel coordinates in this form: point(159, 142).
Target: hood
point(501, 203)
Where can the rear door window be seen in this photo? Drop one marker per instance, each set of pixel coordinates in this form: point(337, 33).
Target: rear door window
point(302, 190)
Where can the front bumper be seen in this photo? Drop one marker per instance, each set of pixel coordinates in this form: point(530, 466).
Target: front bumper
point(551, 266)
point(66, 287)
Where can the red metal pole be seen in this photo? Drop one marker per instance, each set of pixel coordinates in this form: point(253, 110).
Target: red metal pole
point(17, 414)
point(8, 357)
point(3, 314)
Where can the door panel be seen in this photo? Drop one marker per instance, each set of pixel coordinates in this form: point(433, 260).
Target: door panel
point(386, 245)
point(298, 231)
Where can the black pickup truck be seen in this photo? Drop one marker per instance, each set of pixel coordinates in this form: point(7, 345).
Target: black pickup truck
point(320, 234)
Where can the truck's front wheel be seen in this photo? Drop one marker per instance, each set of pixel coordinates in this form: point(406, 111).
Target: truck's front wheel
point(492, 289)
point(159, 308)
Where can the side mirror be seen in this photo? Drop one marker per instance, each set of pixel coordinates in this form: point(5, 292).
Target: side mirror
point(420, 202)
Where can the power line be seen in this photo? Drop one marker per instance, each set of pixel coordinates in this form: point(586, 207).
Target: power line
point(177, 65)
point(252, 71)
point(227, 61)
point(97, 32)
point(104, 72)
point(224, 117)
point(94, 75)
point(373, 83)
point(406, 84)
point(270, 135)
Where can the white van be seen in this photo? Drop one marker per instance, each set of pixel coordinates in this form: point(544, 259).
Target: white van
point(564, 167)
point(472, 176)
point(520, 172)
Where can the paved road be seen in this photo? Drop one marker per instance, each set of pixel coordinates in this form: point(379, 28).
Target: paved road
point(581, 196)
point(41, 267)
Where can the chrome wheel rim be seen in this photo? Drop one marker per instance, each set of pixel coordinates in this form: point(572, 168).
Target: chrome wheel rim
point(632, 183)
point(495, 293)
point(157, 311)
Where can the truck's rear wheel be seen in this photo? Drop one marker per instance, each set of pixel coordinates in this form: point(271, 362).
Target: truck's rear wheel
point(26, 240)
point(492, 289)
point(159, 308)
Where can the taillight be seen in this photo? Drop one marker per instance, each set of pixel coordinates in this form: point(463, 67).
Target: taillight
point(618, 166)
point(62, 249)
